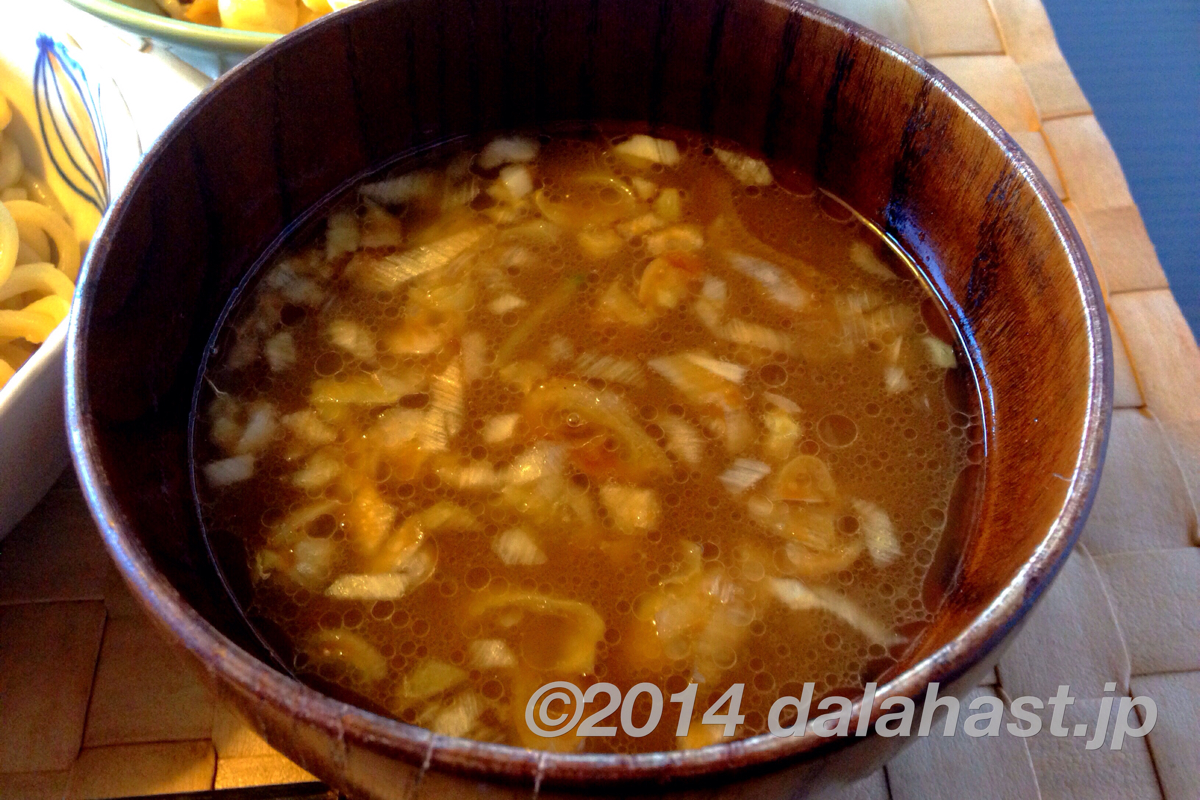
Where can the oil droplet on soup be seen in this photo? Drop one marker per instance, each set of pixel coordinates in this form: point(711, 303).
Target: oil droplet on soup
point(603, 408)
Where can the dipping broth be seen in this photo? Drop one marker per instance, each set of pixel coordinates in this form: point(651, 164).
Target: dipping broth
point(607, 408)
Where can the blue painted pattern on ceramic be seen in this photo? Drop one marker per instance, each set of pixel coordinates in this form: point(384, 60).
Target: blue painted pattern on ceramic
point(79, 156)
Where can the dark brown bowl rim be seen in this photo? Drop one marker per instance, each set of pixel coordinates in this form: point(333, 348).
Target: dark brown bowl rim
point(506, 763)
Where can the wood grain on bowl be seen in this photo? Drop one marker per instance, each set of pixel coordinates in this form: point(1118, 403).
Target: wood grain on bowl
point(876, 126)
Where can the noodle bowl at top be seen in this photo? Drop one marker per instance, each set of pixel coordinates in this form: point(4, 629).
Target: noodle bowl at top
point(39, 257)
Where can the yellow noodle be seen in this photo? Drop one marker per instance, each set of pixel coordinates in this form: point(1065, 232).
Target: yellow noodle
point(267, 16)
point(40, 193)
point(271, 16)
point(65, 241)
point(173, 7)
point(35, 322)
point(17, 352)
point(13, 356)
point(12, 166)
point(41, 278)
point(14, 193)
point(27, 255)
point(35, 239)
point(10, 242)
point(5, 113)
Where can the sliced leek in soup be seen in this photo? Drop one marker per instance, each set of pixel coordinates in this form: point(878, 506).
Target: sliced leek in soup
point(597, 408)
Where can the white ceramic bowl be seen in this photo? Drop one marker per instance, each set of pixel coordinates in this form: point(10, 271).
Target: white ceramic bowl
point(89, 163)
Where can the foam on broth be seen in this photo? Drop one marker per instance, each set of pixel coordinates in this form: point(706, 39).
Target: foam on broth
point(597, 408)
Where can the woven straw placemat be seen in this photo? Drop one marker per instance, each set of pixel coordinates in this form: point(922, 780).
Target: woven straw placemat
point(93, 704)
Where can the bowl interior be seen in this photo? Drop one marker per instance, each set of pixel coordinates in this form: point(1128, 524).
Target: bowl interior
point(876, 126)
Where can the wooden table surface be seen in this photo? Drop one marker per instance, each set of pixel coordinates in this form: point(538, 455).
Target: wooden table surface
point(93, 704)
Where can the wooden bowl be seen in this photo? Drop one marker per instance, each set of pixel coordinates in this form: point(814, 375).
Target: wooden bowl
point(877, 126)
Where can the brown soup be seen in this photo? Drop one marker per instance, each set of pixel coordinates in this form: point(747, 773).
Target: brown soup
point(598, 408)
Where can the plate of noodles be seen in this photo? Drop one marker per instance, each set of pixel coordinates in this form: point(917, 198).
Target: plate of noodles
point(67, 144)
point(243, 26)
point(221, 26)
